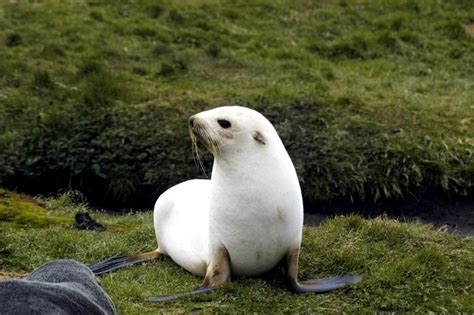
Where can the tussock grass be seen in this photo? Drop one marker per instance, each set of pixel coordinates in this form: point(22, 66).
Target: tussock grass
point(374, 101)
point(408, 267)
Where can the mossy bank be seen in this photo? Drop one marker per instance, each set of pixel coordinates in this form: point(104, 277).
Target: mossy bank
point(372, 99)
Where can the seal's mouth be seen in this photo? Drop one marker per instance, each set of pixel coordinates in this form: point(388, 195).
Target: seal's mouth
point(199, 133)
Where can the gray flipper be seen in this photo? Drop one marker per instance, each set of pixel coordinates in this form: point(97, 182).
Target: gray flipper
point(113, 263)
point(116, 262)
point(324, 284)
point(200, 290)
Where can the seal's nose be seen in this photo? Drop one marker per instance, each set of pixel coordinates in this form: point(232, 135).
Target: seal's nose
point(191, 121)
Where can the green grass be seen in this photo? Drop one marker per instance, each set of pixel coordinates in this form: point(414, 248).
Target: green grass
point(372, 98)
point(26, 212)
point(407, 267)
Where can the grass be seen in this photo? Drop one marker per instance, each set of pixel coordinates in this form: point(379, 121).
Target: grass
point(408, 267)
point(24, 211)
point(386, 90)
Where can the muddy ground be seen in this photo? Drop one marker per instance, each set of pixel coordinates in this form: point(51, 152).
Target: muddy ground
point(457, 218)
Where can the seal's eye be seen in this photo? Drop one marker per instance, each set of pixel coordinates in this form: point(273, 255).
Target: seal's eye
point(224, 123)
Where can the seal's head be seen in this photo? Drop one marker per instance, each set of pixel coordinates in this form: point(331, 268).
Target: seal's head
point(232, 129)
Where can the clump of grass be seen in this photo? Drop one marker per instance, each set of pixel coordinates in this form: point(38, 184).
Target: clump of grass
point(213, 50)
point(145, 31)
point(102, 90)
point(328, 73)
point(3, 245)
point(167, 69)
point(96, 15)
point(413, 39)
point(13, 40)
point(453, 30)
point(390, 42)
point(67, 203)
point(54, 50)
point(90, 67)
point(42, 81)
point(175, 16)
point(140, 71)
point(171, 68)
point(231, 14)
point(155, 11)
point(161, 49)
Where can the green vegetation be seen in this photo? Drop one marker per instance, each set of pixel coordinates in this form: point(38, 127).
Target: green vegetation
point(372, 98)
point(26, 212)
point(408, 267)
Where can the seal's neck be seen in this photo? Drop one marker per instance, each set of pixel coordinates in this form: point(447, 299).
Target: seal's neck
point(269, 159)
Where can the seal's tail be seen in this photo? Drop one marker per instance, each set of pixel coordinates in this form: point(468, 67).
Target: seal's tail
point(116, 262)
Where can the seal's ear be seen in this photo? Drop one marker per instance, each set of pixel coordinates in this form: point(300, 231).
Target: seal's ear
point(259, 137)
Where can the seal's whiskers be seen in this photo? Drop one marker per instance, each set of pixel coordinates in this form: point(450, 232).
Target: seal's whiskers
point(196, 155)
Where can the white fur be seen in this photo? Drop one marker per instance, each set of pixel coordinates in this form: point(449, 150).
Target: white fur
point(252, 205)
point(181, 224)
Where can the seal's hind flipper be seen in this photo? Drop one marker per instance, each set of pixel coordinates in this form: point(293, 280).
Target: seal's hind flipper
point(315, 285)
point(324, 284)
point(218, 272)
point(116, 262)
point(160, 299)
point(113, 263)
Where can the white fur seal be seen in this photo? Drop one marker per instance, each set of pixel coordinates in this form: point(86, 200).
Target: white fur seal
point(245, 220)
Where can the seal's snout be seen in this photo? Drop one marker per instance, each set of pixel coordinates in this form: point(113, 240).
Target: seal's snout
point(191, 121)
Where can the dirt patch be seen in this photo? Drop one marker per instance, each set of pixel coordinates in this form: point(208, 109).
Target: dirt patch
point(457, 219)
point(470, 28)
point(4, 275)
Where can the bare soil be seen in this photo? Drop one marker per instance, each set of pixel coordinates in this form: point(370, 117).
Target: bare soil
point(457, 219)
point(469, 28)
point(12, 274)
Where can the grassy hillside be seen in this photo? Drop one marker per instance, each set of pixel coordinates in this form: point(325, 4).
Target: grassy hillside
point(372, 98)
point(408, 267)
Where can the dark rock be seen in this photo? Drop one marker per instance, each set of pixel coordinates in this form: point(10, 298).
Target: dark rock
point(85, 222)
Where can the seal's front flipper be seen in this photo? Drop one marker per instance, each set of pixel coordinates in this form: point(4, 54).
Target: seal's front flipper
point(316, 285)
point(324, 284)
point(218, 272)
point(116, 262)
point(200, 290)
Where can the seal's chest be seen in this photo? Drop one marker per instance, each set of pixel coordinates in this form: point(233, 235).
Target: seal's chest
point(254, 245)
point(257, 225)
point(256, 253)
